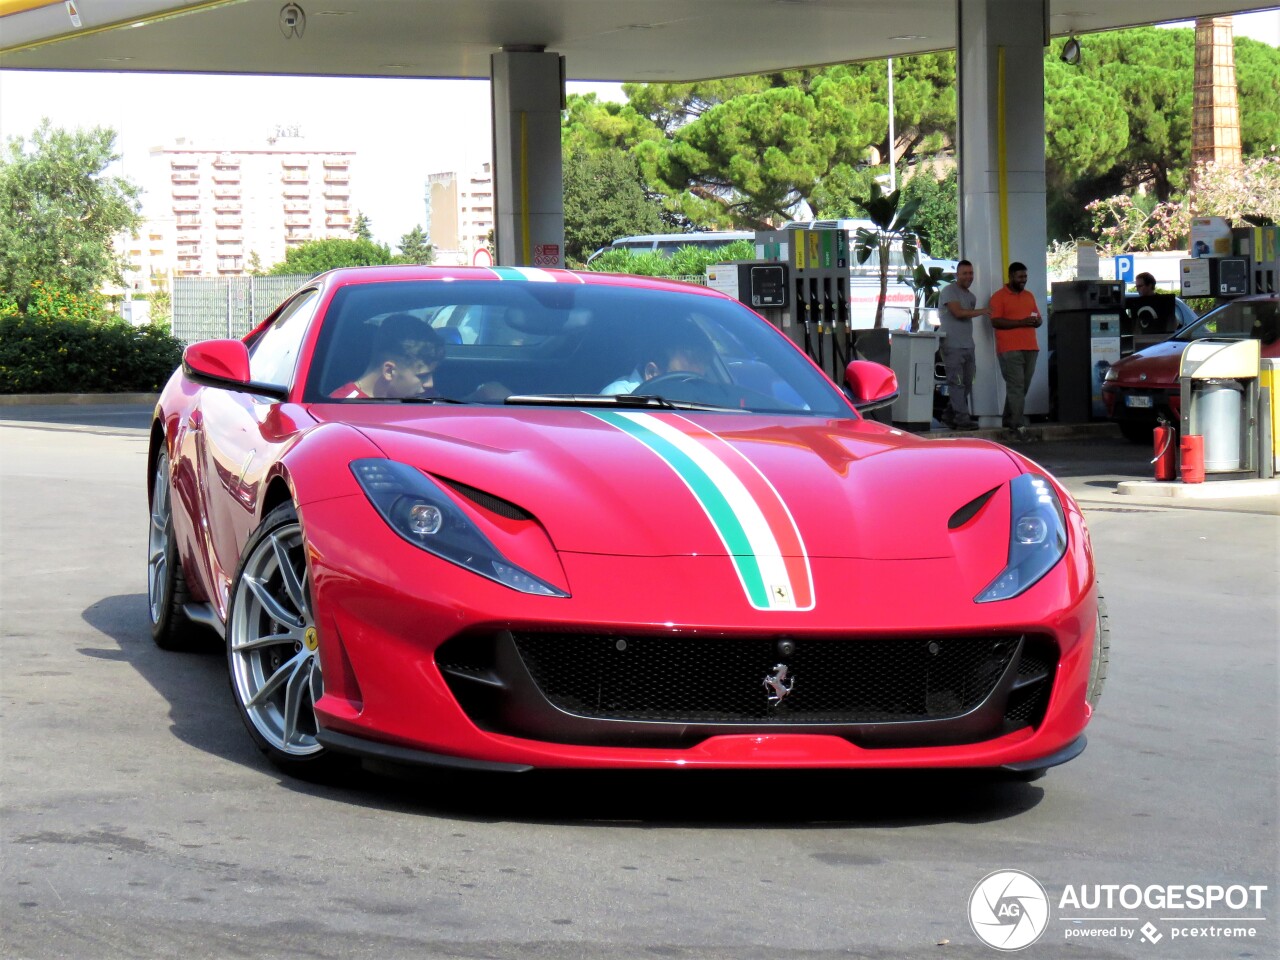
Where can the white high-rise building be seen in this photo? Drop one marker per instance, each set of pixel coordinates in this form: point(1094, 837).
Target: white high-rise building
point(229, 204)
point(460, 215)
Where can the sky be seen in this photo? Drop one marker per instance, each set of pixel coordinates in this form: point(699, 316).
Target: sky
point(447, 128)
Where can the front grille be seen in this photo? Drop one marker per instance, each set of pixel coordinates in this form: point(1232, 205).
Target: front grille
point(718, 681)
point(676, 690)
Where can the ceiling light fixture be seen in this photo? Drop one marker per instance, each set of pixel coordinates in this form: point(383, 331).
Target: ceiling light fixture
point(1071, 52)
point(910, 36)
point(292, 21)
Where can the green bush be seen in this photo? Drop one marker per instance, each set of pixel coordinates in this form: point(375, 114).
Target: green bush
point(688, 261)
point(66, 344)
point(1201, 305)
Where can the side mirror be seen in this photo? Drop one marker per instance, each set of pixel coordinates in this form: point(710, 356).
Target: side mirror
point(873, 385)
point(224, 364)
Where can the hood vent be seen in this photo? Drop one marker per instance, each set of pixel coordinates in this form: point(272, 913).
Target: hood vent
point(970, 510)
point(488, 501)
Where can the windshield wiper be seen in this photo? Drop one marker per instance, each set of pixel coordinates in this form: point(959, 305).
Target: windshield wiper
point(613, 400)
point(428, 400)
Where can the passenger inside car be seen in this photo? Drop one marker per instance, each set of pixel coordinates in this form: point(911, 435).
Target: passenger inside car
point(402, 362)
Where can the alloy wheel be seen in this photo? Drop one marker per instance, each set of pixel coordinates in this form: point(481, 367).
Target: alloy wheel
point(158, 583)
point(272, 644)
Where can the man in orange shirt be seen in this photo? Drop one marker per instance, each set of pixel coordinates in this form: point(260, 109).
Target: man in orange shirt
point(1015, 316)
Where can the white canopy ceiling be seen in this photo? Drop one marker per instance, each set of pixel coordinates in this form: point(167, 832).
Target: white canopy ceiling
point(602, 40)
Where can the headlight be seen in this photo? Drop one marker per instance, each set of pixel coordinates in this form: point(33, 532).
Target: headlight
point(417, 509)
point(1037, 537)
point(1111, 374)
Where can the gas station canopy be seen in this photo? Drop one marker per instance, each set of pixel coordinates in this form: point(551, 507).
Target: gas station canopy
point(601, 40)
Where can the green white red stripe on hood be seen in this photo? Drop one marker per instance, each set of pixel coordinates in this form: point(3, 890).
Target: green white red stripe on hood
point(748, 514)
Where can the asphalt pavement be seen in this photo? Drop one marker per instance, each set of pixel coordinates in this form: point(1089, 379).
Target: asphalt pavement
point(137, 820)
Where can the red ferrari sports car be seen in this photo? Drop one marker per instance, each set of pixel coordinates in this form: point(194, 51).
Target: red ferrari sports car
point(511, 518)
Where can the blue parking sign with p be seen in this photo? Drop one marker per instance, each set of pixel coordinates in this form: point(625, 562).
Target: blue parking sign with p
point(1124, 268)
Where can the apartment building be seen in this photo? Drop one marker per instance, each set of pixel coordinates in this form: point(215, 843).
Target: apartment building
point(149, 252)
point(228, 205)
point(460, 215)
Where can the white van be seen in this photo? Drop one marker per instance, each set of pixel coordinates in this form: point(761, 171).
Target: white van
point(668, 243)
point(864, 278)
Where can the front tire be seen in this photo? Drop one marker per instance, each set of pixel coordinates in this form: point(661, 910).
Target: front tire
point(272, 648)
point(166, 585)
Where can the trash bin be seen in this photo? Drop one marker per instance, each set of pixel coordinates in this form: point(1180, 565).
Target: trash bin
point(1220, 406)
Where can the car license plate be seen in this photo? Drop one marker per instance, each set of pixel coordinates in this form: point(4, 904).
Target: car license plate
point(1137, 401)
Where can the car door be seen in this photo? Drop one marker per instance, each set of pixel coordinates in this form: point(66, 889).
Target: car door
point(244, 434)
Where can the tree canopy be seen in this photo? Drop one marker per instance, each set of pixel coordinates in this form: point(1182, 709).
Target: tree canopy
point(758, 150)
point(60, 211)
point(415, 249)
point(604, 198)
point(317, 256)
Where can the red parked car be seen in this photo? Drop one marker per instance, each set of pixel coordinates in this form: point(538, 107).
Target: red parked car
point(1143, 386)
point(609, 522)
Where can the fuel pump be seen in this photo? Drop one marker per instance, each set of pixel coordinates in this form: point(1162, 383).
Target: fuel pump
point(760, 284)
point(1261, 245)
point(815, 306)
point(819, 264)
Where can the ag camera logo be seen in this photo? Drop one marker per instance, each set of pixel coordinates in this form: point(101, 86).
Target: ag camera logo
point(1008, 910)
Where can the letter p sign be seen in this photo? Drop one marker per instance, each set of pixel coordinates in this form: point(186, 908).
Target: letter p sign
point(1124, 268)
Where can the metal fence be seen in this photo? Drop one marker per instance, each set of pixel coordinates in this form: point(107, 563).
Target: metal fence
point(209, 308)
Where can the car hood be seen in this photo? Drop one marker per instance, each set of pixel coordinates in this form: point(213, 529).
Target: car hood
point(1155, 366)
point(670, 483)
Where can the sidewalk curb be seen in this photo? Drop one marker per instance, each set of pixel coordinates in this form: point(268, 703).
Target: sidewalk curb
point(1220, 490)
point(79, 399)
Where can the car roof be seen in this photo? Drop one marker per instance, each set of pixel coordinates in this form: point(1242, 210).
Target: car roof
point(343, 276)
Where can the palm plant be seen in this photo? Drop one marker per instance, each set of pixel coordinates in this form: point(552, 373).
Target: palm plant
point(925, 283)
point(892, 228)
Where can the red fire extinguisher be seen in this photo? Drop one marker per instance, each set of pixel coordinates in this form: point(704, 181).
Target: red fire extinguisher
point(1191, 459)
point(1165, 450)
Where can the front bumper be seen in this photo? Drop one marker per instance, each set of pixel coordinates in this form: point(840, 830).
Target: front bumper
point(1129, 404)
point(421, 656)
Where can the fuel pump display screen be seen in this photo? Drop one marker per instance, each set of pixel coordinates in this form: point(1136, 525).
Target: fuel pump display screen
point(768, 286)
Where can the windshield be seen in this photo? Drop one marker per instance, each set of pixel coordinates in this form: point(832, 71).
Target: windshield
point(556, 343)
point(1238, 320)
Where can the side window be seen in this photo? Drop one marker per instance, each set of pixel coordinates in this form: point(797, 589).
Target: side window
point(1230, 321)
point(273, 356)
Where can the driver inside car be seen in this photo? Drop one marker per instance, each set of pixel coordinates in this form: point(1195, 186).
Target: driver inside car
point(689, 353)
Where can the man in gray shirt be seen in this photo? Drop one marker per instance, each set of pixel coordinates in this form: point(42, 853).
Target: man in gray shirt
point(957, 308)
